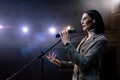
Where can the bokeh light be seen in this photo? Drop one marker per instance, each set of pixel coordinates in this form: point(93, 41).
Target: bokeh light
point(1, 26)
point(68, 27)
point(52, 30)
point(25, 29)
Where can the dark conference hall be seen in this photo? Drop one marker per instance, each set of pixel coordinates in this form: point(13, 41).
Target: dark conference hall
point(28, 31)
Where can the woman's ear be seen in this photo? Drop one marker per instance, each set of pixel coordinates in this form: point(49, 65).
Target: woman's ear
point(93, 21)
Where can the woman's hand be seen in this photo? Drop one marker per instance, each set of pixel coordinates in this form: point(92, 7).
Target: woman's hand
point(52, 58)
point(65, 37)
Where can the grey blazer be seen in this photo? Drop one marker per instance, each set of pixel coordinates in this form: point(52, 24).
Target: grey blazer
point(87, 56)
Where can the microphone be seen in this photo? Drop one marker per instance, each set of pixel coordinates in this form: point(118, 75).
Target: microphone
point(72, 30)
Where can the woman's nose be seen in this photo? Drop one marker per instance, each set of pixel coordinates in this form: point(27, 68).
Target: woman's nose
point(81, 21)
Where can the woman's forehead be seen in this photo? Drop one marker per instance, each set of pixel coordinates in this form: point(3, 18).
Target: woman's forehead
point(85, 15)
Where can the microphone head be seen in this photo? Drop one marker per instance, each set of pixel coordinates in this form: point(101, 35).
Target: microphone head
point(72, 30)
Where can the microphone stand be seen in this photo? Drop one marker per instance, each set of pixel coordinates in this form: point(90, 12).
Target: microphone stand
point(42, 67)
point(32, 61)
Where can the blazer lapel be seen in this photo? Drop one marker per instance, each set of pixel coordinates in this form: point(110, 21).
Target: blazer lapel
point(88, 41)
point(82, 42)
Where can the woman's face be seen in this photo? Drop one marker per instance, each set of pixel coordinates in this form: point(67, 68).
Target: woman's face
point(86, 22)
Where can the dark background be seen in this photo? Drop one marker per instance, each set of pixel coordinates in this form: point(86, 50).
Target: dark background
point(18, 49)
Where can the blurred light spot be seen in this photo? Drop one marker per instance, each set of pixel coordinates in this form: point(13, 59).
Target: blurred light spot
point(25, 29)
point(68, 28)
point(1, 26)
point(52, 30)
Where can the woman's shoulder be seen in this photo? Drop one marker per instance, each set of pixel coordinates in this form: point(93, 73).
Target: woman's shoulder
point(101, 37)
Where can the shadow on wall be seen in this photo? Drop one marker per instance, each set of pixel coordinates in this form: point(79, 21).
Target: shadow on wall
point(109, 71)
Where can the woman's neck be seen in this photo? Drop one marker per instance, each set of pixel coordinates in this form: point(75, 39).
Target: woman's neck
point(90, 32)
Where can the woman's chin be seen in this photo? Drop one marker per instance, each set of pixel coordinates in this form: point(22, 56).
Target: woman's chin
point(84, 29)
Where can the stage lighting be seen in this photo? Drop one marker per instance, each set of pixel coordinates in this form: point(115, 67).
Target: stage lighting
point(52, 30)
point(1, 26)
point(25, 29)
point(68, 28)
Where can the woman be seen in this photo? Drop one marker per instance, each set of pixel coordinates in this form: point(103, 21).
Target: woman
point(90, 50)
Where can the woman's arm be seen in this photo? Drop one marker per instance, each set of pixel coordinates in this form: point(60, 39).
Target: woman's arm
point(92, 56)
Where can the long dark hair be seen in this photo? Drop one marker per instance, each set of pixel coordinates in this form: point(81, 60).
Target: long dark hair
point(99, 24)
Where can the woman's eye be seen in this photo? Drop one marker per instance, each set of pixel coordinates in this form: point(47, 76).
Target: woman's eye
point(84, 19)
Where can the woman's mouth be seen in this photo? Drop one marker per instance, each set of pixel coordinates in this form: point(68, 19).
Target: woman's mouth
point(83, 25)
